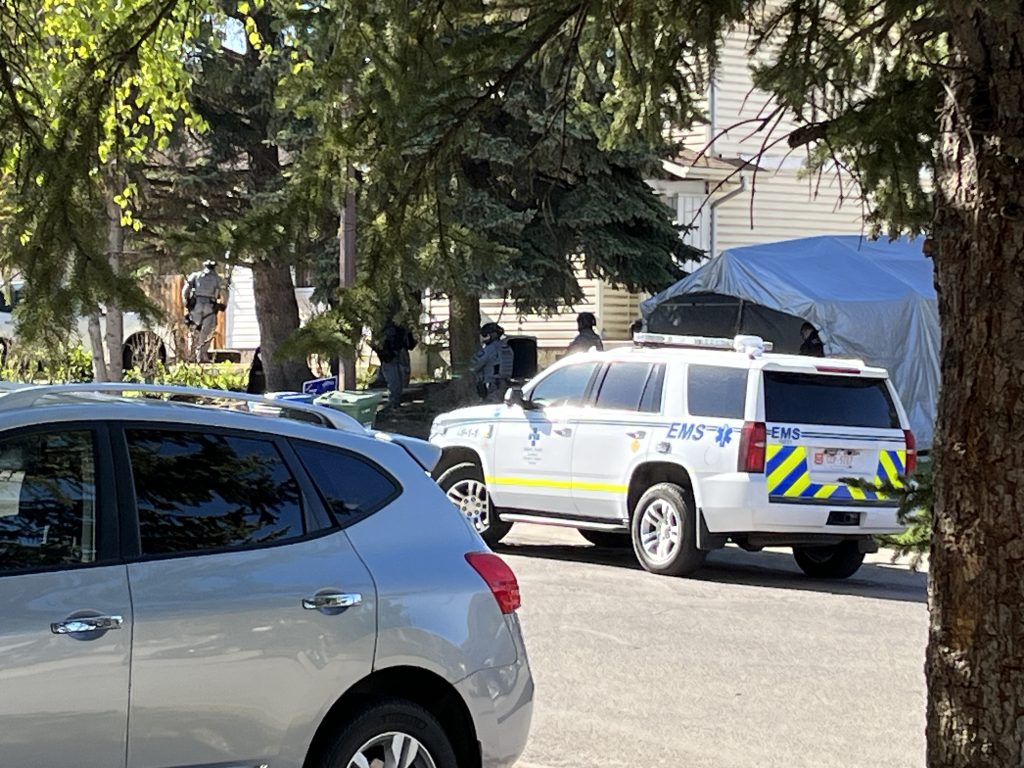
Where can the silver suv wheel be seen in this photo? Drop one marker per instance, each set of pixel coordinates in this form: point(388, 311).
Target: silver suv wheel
point(392, 750)
point(392, 734)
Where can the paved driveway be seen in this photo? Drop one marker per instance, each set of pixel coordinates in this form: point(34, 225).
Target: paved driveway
point(749, 664)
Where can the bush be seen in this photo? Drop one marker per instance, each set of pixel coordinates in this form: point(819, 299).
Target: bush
point(227, 376)
point(916, 500)
point(63, 365)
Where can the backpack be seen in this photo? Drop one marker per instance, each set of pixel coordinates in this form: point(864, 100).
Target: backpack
point(506, 360)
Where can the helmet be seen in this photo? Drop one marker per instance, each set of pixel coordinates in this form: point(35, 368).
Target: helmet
point(209, 263)
point(586, 320)
point(492, 329)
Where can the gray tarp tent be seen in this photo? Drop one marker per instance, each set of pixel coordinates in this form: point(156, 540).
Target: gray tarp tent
point(870, 300)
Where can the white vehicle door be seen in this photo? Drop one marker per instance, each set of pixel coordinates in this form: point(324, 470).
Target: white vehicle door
point(65, 639)
point(612, 434)
point(533, 444)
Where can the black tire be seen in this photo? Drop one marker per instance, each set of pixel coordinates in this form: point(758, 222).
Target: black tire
point(486, 521)
point(685, 558)
point(608, 539)
point(838, 561)
point(388, 717)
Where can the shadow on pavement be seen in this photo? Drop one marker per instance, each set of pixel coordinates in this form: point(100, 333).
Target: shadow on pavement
point(877, 580)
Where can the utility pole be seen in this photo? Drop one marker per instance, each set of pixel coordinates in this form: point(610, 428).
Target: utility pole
point(347, 262)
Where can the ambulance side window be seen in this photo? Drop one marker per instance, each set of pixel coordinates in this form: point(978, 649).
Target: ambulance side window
point(716, 392)
point(566, 386)
point(623, 386)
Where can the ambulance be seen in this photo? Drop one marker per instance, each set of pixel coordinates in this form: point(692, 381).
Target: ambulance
point(680, 445)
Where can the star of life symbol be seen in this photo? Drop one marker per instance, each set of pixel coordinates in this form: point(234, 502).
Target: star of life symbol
point(534, 437)
point(724, 435)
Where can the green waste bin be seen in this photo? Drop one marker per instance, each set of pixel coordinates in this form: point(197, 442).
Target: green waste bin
point(361, 406)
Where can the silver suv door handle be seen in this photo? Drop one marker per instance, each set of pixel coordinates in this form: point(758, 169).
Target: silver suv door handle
point(563, 431)
point(86, 624)
point(333, 600)
point(638, 435)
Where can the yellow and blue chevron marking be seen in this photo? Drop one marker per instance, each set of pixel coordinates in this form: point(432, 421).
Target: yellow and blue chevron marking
point(789, 476)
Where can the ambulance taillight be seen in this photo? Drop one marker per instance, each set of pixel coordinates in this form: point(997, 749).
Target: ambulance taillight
point(908, 436)
point(752, 446)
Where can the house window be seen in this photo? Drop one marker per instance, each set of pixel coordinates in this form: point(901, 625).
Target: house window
point(694, 211)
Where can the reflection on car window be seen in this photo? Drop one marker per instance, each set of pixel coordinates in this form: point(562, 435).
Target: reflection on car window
point(199, 491)
point(651, 402)
point(623, 386)
point(564, 386)
point(350, 486)
point(847, 401)
point(47, 501)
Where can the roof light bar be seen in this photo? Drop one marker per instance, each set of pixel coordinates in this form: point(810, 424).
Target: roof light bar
point(742, 343)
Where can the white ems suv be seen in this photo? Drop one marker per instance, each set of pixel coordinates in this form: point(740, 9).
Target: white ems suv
point(681, 444)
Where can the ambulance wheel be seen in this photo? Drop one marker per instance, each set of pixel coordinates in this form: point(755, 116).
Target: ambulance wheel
point(665, 533)
point(608, 539)
point(839, 561)
point(464, 486)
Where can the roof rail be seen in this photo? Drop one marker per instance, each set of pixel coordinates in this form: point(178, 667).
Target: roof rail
point(742, 343)
point(30, 395)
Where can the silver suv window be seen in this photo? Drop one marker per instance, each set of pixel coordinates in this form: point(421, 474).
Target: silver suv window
point(350, 486)
point(197, 491)
point(47, 501)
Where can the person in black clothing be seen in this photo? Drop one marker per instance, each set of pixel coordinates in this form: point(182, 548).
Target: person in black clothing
point(812, 345)
point(587, 338)
point(393, 353)
point(257, 377)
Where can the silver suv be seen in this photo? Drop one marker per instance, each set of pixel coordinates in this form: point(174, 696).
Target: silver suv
point(185, 585)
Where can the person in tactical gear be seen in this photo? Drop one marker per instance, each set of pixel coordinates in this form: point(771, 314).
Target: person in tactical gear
point(812, 344)
point(201, 295)
point(492, 364)
point(395, 365)
point(587, 338)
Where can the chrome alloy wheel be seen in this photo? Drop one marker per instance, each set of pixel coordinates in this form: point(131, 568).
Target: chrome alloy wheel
point(470, 496)
point(392, 750)
point(661, 531)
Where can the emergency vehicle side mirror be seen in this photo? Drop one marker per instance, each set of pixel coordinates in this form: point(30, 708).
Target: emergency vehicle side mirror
point(514, 396)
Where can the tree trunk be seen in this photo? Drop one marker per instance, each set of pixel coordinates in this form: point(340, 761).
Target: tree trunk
point(277, 312)
point(99, 364)
point(975, 657)
point(463, 328)
point(115, 319)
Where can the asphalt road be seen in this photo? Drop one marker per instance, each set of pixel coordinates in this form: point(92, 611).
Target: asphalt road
point(747, 664)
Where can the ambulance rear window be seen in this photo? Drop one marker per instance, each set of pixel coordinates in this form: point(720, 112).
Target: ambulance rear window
point(841, 401)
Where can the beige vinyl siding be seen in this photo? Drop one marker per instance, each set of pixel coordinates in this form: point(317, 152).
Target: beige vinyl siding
point(242, 330)
point(617, 310)
point(785, 207)
point(738, 104)
point(614, 307)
